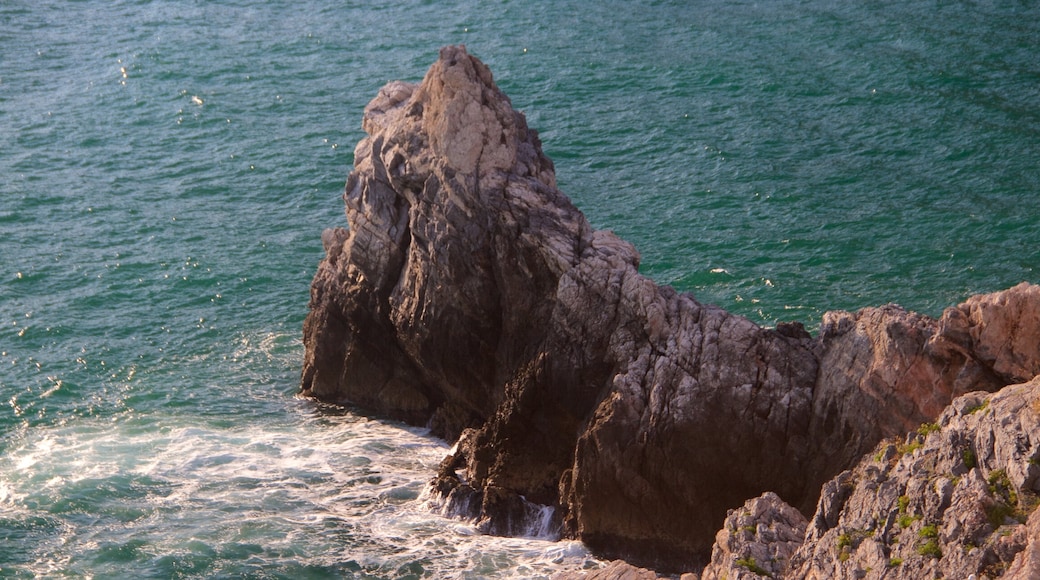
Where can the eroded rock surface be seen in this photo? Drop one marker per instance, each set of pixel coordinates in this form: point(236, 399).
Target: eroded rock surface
point(951, 500)
point(470, 295)
point(756, 540)
point(957, 498)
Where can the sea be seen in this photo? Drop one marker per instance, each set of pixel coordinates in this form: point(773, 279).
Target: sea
point(167, 168)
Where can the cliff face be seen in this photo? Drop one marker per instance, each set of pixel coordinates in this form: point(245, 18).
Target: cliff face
point(469, 294)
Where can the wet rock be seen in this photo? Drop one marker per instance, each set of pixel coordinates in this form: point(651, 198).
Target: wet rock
point(469, 292)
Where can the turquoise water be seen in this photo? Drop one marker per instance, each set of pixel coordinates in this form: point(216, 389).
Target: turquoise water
point(166, 169)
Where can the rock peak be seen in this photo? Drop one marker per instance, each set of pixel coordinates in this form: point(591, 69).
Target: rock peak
point(467, 123)
point(470, 122)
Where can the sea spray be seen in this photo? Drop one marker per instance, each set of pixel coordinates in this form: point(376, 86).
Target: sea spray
point(540, 522)
point(174, 494)
point(532, 520)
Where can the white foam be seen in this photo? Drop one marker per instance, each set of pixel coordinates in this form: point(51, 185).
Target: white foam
point(322, 489)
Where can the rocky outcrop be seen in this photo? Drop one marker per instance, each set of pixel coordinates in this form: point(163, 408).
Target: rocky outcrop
point(470, 295)
point(756, 540)
point(955, 499)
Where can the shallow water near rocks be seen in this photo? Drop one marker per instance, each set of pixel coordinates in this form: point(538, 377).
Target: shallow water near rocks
point(168, 167)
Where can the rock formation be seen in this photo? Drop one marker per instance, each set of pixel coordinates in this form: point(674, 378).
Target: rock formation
point(470, 295)
point(756, 540)
point(954, 499)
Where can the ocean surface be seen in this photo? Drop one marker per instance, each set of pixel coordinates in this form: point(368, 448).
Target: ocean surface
point(167, 167)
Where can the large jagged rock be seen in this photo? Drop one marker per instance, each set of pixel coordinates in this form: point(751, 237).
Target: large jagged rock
point(469, 294)
point(956, 499)
point(439, 290)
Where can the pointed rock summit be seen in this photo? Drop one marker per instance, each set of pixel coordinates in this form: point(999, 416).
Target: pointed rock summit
point(470, 295)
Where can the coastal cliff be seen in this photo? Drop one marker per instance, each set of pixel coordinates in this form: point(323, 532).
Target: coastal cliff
point(470, 295)
point(957, 498)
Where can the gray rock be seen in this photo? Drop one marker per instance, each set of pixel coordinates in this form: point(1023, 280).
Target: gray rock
point(949, 501)
point(756, 541)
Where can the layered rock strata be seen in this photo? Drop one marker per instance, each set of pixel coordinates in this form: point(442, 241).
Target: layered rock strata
point(470, 295)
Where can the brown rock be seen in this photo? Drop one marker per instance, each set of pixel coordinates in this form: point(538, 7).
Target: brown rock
point(712, 412)
point(427, 305)
point(469, 294)
point(1001, 330)
point(1026, 565)
point(883, 371)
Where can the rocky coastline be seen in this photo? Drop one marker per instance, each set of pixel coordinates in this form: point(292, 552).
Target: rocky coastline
point(470, 295)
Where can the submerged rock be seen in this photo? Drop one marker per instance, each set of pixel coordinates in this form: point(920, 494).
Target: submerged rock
point(470, 295)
